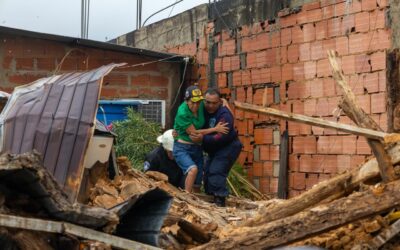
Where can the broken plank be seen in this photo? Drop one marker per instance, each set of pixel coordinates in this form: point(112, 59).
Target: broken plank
point(354, 111)
point(314, 221)
point(61, 227)
point(369, 133)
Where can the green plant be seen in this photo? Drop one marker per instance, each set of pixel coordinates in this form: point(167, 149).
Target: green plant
point(240, 186)
point(136, 137)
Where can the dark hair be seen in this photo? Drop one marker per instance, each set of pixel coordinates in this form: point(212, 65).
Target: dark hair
point(213, 91)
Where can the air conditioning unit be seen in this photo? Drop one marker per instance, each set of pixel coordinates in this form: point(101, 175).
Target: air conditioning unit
point(116, 110)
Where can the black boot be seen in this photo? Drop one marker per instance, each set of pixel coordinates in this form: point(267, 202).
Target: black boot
point(219, 201)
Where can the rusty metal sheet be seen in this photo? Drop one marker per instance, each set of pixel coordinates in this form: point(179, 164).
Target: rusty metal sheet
point(55, 116)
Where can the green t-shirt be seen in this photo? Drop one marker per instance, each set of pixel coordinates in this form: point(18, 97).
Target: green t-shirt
point(184, 118)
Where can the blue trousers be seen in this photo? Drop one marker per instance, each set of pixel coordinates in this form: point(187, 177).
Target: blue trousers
point(217, 168)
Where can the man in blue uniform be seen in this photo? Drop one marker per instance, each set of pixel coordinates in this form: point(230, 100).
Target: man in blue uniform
point(222, 149)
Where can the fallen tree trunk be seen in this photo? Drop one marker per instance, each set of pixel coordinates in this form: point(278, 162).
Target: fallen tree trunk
point(357, 114)
point(314, 221)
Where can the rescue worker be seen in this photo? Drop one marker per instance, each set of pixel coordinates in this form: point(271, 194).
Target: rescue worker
point(162, 160)
point(222, 148)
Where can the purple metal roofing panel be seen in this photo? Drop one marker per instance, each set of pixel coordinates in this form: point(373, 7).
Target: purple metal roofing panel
point(55, 116)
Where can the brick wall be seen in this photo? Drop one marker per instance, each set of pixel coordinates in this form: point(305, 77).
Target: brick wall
point(287, 57)
point(25, 59)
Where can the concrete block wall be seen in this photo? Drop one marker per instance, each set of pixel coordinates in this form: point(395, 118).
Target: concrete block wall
point(287, 56)
point(25, 59)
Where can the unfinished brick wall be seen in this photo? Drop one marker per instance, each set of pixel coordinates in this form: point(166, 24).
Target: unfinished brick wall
point(288, 57)
point(25, 59)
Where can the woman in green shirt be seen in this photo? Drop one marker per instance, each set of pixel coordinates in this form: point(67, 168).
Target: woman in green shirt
point(188, 121)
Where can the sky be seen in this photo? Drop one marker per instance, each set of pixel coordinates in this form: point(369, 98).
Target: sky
point(108, 18)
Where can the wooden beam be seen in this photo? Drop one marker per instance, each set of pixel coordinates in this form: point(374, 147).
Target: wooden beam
point(68, 228)
point(354, 111)
point(314, 221)
point(369, 133)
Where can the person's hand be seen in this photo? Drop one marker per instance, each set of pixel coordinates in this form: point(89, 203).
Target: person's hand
point(224, 102)
point(174, 133)
point(222, 127)
point(196, 137)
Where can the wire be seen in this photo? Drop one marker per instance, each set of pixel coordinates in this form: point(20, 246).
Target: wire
point(58, 68)
point(149, 62)
point(172, 8)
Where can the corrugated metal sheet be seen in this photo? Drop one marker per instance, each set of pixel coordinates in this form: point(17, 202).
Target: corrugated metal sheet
point(55, 116)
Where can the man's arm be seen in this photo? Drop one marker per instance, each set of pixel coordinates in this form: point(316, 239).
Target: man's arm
point(219, 137)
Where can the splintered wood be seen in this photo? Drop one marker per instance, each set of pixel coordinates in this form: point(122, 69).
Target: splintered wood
point(191, 221)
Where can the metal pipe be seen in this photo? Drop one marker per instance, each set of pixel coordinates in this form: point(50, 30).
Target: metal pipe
point(87, 23)
point(160, 11)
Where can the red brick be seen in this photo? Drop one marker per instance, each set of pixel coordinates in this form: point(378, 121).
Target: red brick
point(359, 42)
point(235, 62)
point(240, 94)
point(382, 81)
point(304, 52)
point(276, 74)
point(298, 181)
point(264, 153)
point(334, 27)
point(287, 72)
point(329, 87)
point(362, 22)
point(368, 5)
point(348, 24)
point(321, 30)
point(298, 71)
point(272, 57)
point(365, 102)
point(348, 65)
point(293, 53)
point(383, 3)
point(317, 51)
point(250, 126)
point(377, 20)
point(24, 63)
point(328, 12)
point(263, 136)
point(310, 69)
point(329, 145)
point(312, 6)
point(132, 92)
point(349, 144)
point(293, 128)
point(378, 60)
point(227, 47)
point(323, 68)
point(287, 21)
point(308, 32)
point(305, 145)
point(293, 163)
point(249, 95)
point(218, 65)
point(109, 92)
point(241, 127)
point(283, 54)
point(342, 45)
point(118, 79)
point(314, 15)
point(297, 34)
point(317, 88)
point(362, 146)
point(236, 78)
point(311, 180)
point(302, 17)
point(264, 185)
point(371, 82)
point(343, 163)
point(325, 163)
point(246, 77)
point(274, 153)
point(378, 103)
point(310, 106)
point(45, 63)
point(355, 83)
point(257, 169)
point(298, 90)
point(307, 164)
point(362, 63)
point(286, 36)
point(323, 107)
point(383, 121)
point(329, 44)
